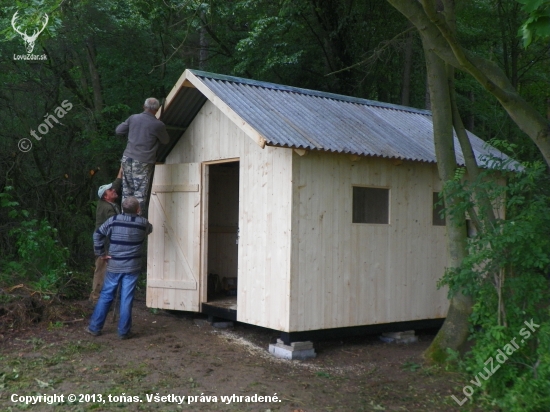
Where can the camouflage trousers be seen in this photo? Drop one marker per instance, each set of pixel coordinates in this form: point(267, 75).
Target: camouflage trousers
point(135, 181)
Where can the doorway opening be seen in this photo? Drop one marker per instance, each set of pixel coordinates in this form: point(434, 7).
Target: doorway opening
point(223, 239)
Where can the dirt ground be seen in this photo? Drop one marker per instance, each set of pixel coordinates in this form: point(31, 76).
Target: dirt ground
point(174, 355)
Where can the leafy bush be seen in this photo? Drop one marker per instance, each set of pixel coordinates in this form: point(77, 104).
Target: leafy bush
point(40, 260)
point(506, 272)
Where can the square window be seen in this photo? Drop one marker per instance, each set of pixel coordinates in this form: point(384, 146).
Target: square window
point(371, 205)
point(438, 216)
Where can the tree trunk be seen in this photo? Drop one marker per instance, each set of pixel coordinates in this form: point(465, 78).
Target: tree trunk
point(94, 74)
point(454, 332)
point(427, 101)
point(439, 38)
point(407, 65)
point(470, 117)
point(203, 44)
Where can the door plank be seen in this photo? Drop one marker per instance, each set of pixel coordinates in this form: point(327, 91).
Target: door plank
point(172, 234)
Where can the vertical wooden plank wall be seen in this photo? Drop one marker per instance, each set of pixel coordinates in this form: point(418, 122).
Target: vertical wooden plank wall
point(173, 247)
point(264, 213)
point(349, 274)
point(302, 264)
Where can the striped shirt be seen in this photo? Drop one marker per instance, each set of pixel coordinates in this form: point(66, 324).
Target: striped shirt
point(126, 234)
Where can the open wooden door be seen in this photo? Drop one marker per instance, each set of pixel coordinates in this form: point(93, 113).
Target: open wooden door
point(173, 249)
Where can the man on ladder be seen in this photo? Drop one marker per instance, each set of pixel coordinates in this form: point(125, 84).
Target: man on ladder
point(144, 132)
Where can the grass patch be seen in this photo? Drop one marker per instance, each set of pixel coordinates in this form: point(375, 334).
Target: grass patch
point(74, 348)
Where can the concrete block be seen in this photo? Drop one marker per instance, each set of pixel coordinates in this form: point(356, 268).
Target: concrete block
point(302, 345)
point(399, 337)
point(297, 345)
point(282, 351)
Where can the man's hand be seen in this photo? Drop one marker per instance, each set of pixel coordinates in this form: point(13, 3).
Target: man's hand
point(106, 257)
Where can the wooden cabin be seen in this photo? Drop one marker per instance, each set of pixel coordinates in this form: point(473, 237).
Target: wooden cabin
point(294, 209)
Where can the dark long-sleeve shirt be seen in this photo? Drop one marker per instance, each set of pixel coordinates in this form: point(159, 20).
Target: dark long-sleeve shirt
point(144, 132)
point(126, 234)
point(106, 209)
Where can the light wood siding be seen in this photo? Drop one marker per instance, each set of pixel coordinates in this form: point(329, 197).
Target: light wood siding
point(174, 246)
point(302, 263)
point(265, 188)
point(350, 274)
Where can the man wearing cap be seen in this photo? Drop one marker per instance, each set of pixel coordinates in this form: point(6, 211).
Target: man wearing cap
point(106, 207)
point(145, 132)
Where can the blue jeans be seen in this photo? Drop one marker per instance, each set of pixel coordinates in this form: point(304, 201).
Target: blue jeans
point(127, 283)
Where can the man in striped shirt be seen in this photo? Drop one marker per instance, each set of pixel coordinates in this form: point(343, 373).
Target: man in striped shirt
point(126, 234)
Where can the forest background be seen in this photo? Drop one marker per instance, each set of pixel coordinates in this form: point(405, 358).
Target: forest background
point(103, 58)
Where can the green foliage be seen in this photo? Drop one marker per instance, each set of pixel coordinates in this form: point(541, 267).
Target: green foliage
point(490, 29)
point(278, 55)
point(30, 17)
point(323, 374)
point(55, 325)
point(40, 259)
point(537, 26)
point(506, 272)
point(411, 366)
point(40, 252)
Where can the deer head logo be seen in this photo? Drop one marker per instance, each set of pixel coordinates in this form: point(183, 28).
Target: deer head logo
point(29, 40)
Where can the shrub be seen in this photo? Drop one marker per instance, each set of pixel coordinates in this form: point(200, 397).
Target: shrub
point(506, 272)
point(40, 260)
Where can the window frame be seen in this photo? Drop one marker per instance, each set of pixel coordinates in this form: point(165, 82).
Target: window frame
point(436, 219)
point(388, 191)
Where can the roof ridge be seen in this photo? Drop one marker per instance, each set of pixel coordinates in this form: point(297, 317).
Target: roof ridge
point(309, 92)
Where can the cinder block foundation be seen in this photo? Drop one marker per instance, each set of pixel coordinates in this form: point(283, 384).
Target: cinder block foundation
point(294, 351)
point(399, 337)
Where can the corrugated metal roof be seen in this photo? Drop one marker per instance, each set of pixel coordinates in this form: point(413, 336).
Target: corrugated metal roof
point(300, 118)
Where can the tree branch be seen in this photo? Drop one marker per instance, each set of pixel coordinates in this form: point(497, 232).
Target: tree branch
point(438, 38)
